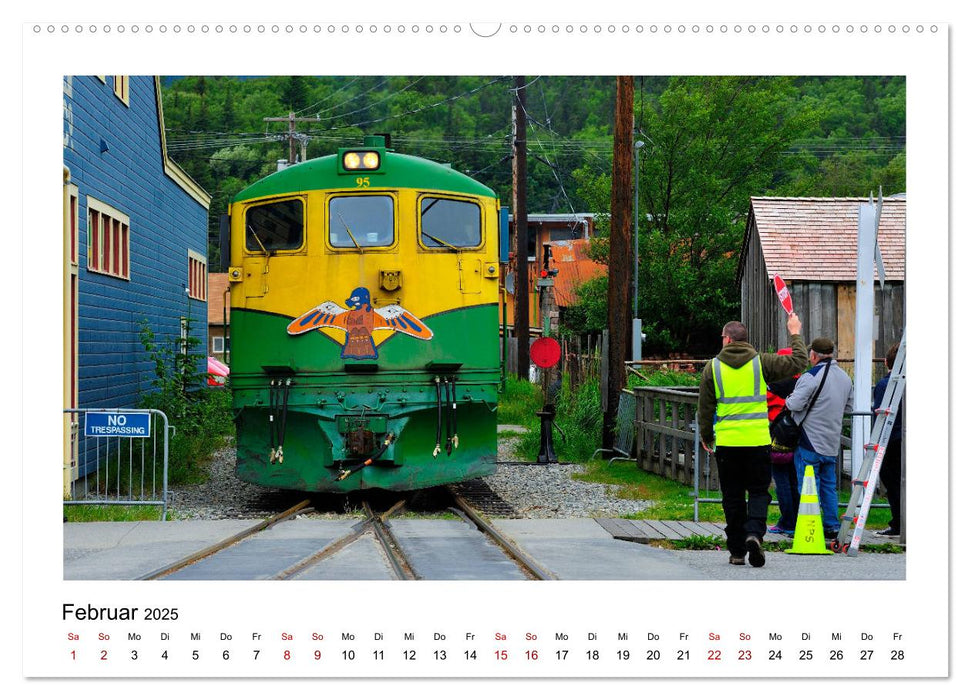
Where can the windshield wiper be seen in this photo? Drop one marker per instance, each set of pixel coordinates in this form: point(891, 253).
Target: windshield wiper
point(441, 242)
point(258, 241)
point(348, 229)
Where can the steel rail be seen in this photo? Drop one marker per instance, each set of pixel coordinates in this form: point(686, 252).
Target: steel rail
point(357, 530)
point(507, 545)
point(228, 542)
point(389, 543)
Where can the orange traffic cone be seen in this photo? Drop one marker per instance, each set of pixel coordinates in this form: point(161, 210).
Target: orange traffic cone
point(809, 537)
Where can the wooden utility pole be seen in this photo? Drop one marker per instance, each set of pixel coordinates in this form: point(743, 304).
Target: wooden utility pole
point(292, 135)
point(521, 227)
point(618, 270)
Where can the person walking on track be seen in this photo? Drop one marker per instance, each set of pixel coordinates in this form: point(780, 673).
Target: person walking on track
point(734, 425)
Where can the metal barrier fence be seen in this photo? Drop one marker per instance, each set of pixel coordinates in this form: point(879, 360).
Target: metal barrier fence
point(624, 443)
point(668, 443)
point(119, 456)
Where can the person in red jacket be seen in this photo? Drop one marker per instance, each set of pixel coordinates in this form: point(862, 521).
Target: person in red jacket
point(783, 467)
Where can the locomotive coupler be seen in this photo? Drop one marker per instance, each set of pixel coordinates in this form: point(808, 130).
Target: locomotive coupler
point(344, 473)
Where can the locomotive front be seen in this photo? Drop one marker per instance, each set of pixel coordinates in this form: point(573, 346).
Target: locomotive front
point(364, 324)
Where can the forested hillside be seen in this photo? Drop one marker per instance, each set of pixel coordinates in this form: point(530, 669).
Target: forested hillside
point(709, 144)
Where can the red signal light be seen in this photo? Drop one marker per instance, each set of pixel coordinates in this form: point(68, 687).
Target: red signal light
point(544, 273)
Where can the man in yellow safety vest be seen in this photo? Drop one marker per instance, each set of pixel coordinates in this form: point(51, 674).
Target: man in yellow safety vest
point(733, 423)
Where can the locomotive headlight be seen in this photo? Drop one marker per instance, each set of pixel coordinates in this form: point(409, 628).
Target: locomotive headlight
point(371, 160)
point(362, 160)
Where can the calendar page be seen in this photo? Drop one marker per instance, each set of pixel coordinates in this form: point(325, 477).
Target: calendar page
point(375, 195)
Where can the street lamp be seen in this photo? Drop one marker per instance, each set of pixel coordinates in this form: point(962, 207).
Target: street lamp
point(636, 325)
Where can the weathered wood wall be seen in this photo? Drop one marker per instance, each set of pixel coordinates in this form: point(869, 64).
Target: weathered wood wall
point(825, 308)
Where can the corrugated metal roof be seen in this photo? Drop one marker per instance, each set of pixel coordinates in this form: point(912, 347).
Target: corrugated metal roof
point(807, 238)
point(572, 259)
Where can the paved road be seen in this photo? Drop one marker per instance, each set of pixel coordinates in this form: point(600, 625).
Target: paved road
point(572, 549)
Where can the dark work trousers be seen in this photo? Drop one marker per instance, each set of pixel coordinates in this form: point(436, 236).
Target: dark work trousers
point(890, 478)
point(741, 470)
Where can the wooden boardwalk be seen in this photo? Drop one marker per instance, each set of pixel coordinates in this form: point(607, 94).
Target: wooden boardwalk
point(646, 531)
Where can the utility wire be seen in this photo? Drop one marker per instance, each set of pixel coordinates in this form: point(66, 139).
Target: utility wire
point(331, 95)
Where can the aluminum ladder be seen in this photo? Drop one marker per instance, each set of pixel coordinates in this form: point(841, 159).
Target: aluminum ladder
point(865, 483)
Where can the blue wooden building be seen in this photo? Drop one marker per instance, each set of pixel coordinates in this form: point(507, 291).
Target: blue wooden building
point(135, 241)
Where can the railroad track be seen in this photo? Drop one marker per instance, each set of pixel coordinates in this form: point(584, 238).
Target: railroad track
point(529, 566)
point(375, 523)
point(458, 498)
point(195, 557)
point(481, 497)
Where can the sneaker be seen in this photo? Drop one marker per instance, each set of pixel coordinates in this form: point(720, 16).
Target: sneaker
point(889, 532)
point(756, 557)
point(776, 530)
point(737, 561)
point(831, 534)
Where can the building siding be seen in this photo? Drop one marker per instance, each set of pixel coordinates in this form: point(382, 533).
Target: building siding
point(164, 223)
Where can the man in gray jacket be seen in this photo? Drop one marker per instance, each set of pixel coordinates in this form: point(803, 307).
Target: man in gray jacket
point(822, 424)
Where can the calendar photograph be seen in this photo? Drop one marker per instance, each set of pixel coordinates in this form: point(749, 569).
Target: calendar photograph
point(484, 327)
point(478, 355)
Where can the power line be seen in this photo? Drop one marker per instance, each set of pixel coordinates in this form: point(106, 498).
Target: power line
point(413, 111)
point(555, 165)
point(336, 92)
point(374, 104)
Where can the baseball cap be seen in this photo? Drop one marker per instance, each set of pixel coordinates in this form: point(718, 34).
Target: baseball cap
point(822, 346)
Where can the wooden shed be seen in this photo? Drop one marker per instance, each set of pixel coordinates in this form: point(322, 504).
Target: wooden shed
point(811, 243)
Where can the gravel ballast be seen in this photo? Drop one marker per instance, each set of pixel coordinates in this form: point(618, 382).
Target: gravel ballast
point(533, 491)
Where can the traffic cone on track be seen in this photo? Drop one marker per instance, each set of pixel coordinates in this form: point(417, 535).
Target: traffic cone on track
point(809, 537)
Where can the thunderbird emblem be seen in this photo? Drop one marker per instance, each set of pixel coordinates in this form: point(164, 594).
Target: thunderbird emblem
point(359, 321)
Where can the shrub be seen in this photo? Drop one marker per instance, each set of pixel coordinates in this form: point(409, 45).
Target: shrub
point(202, 416)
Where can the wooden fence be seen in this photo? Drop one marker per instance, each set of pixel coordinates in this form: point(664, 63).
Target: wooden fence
point(664, 444)
point(664, 422)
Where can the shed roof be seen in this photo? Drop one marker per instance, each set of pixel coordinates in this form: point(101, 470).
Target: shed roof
point(810, 238)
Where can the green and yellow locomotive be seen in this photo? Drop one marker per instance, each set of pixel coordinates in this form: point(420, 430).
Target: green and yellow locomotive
point(364, 317)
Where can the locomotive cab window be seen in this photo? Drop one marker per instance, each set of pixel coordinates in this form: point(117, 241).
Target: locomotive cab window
point(449, 223)
point(361, 221)
point(275, 226)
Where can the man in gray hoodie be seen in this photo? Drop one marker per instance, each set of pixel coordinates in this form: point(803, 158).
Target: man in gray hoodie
point(822, 424)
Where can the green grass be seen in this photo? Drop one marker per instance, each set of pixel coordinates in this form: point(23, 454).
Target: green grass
point(663, 377)
point(668, 499)
point(698, 542)
point(94, 514)
point(508, 434)
point(519, 403)
point(671, 500)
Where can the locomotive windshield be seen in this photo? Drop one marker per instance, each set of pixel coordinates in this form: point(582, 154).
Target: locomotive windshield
point(275, 226)
point(449, 223)
point(361, 222)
